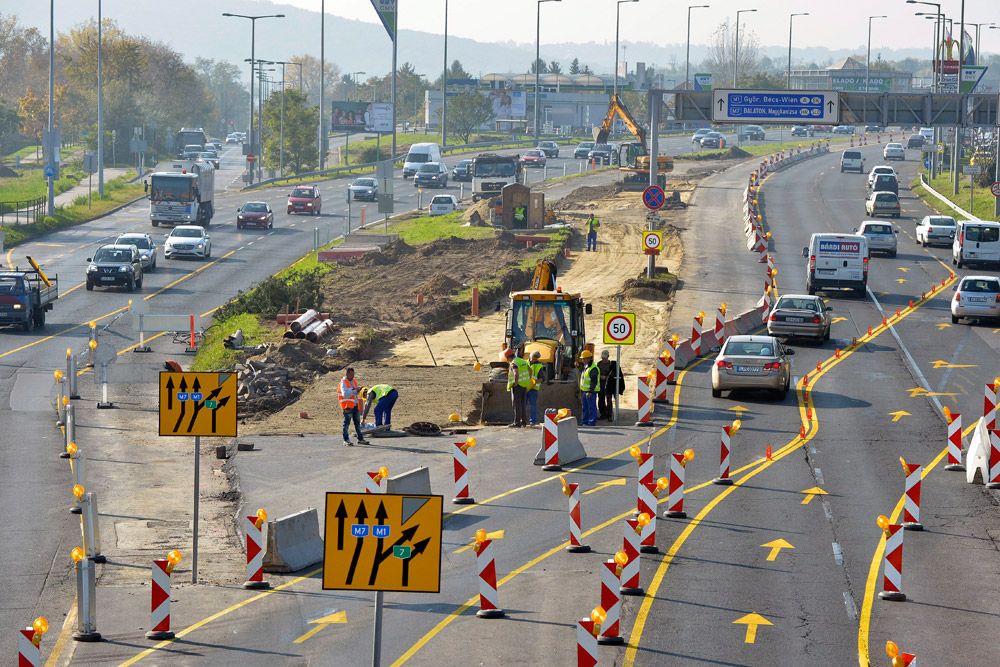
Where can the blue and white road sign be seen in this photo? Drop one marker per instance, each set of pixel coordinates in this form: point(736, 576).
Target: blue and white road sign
point(50, 171)
point(814, 107)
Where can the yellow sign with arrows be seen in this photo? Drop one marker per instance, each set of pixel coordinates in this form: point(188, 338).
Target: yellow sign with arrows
point(198, 404)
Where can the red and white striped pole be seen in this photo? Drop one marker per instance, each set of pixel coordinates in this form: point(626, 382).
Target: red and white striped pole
point(29, 643)
point(630, 571)
point(725, 451)
point(253, 526)
point(770, 263)
point(675, 484)
point(954, 440)
point(645, 462)
point(648, 495)
point(550, 441)
point(572, 491)
point(911, 495)
point(664, 370)
point(645, 401)
point(994, 461)
point(990, 405)
point(373, 480)
point(460, 459)
point(586, 642)
point(611, 600)
point(489, 601)
point(159, 608)
point(892, 568)
point(720, 324)
point(696, 325)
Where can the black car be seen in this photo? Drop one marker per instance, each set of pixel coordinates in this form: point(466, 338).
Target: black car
point(462, 171)
point(713, 140)
point(885, 183)
point(115, 266)
point(582, 149)
point(550, 148)
point(752, 132)
point(601, 153)
point(915, 141)
point(801, 131)
point(431, 175)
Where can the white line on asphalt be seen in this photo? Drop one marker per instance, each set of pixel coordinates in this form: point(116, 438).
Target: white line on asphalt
point(812, 450)
point(838, 554)
point(827, 510)
point(819, 476)
point(251, 243)
point(852, 609)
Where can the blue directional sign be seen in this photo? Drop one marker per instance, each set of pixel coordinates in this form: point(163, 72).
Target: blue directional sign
point(196, 396)
point(381, 531)
point(359, 530)
point(182, 396)
point(815, 107)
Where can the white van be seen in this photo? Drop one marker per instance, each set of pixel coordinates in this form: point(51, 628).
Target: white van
point(836, 260)
point(976, 242)
point(852, 160)
point(418, 155)
point(927, 133)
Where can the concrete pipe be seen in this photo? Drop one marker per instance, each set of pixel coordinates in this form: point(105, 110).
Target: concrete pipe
point(302, 320)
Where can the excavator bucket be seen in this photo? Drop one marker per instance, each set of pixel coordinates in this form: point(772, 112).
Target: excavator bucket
point(496, 406)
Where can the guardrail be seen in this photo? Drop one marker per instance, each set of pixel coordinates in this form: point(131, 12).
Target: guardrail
point(22, 211)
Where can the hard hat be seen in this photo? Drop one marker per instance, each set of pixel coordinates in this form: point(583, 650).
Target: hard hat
point(586, 354)
point(509, 353)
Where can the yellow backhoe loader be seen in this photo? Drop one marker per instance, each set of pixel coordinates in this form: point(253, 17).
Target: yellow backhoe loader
point(632, 156)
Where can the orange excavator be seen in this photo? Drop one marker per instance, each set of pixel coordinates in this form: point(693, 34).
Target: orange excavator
point(632, 156)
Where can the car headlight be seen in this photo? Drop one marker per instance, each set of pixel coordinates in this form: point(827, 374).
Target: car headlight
point(308, 203)
point(92, 268)
point(18, 306)
point(201, 245)
point(239, 217)
point(124, 269)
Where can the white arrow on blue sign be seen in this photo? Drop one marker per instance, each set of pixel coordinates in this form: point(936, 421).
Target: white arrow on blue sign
point(813, 107)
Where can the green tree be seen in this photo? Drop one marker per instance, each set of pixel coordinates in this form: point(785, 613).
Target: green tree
point(300, 122)
point(538, 66)
point(223, 82)
point(555, 67)
point(574, 66)
point(468, 111)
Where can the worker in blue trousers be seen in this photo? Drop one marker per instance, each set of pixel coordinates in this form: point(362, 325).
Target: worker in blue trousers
point(590, 385)
point(382, 397)
point(592, 224)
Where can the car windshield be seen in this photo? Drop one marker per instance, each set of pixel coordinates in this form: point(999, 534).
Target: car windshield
point(140, 242)
point(884, 170)
point(11, 285)
point(187, 233)
point(172, 189)
point(534, 320)
point(852, 155)
point(601, 147)
point(365, 182)
point(535, 153)
point(942, 221)
point(441, 199)
point(979, 285)
point(586, 144)
point(417, 157)
point(982, 234)
point(877, 229)
point(255, 207)
point(464, 163)
point(796, 303)
point(885, 197)
point(306, 193)
point(749, 348)
point(494, 169)
point(896, 146)
point(702, 131)
point(430, 168)
point(113, 256)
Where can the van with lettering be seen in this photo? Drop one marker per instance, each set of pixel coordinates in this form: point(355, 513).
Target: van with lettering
point(976, 242)
point(838, 261)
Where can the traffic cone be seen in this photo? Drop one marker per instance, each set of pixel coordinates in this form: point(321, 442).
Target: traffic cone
point(911, 495)
point(255, 550)
point(675, 487)
point(892, 568)
point(630, 571)
point(990, 406)
point(489, 601)
point(586, 643)
point(550, 441)
point(696, 333)
point(611, 602)
point(460, 460)
point(725, 450)
point(576, 546)
point(954, 441)
point(994, 461)
point(159, 618)
point(645, 403)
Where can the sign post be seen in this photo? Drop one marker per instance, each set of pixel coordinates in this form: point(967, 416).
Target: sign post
point(619, 329)
point(197, 404)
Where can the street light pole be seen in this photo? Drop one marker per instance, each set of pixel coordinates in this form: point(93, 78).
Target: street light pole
point(281, 125)
point(538, 68)
point(444, 83)
point(618, 20)
point(736, 50)
point(100, 102)
point(868, 59)
point(687, 56)
point(788, 76)
point(50, 162)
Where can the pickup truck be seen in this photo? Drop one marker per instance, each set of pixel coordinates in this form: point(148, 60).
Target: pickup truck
point(25, 295)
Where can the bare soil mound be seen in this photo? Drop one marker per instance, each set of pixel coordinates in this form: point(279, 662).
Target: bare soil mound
point(586, 196)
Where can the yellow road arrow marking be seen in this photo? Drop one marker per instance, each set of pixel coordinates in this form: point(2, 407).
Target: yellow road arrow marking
point(320, 623)
point(811, 493)
point(996, 331)
point(898, 414)
point(739, 409)
point(902, 268)
point(752, 620)
point(920, 391)
point(495, 535)
point(940, 363)
point(917, 391)
point(776, 546)
point(900, 280)
point(603, 485)
point(838, 319)
point(941, 326)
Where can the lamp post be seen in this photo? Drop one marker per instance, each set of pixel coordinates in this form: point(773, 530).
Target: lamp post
point(736, 50)
point(50, 162)
point(979, 26)
point(260, 113)
point(687, 53)
point(538, 35)
point(100, 102)
point(321, 130)
point(444, 82)
point(618, 20)
point(354, 77)
point(253, 39)
point(788, 76)
point(934, 46)
point(868, 59)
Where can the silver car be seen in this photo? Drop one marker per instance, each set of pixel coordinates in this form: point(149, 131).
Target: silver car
point(936, 229)
point(144, 244)
point(881, 236)
point(894, 151)
point(976, 297)
point(752, 362)
point(188, 241)
point(800, 316)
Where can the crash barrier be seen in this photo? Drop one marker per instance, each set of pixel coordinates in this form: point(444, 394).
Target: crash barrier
point(159, 616)
point(415, 482)
point(570, 447)
point(145, 323)
point(293, 542)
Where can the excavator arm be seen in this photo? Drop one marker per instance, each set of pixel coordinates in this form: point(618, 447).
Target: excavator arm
point(617, 108)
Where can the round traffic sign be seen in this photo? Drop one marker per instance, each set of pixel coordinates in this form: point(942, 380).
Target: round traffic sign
point(995, 189)
point(619, 328)
point(653, 197)
point(651, 241)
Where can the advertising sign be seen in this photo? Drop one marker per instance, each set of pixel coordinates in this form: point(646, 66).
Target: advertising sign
point(703, 81)
point(509, 103)
point(842, 248)
point(969, 77)
point(856, 84)
point(361, 117)
point(386, 10)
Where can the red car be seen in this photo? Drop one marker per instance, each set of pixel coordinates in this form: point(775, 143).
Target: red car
point(254, 214)
point(305, 199)
point(534, 158)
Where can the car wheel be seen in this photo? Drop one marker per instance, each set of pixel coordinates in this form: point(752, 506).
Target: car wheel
point(40, 319)
point(239, 225)
point(892, 254)
point(958, 262)
point(138, 285)
point(131, 285)
point(90, 286)
point(955, 319)
point(810, 289)
point(155, 223)
point(826, 335)
point(716, 393)
point(29, 324)
point(270, 225)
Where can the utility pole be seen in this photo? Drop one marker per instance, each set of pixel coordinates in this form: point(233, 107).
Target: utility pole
point(322, 84)
point(958, 128)
point(100, 103)
point(444, 83)
point(50, 161)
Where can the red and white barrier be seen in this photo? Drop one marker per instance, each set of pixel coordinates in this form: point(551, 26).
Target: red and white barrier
point(630, 571)
point(675, 488)
point(994, 461)
point(611, 602)
point(645, 461)
point(374, 482)
point(892, 569)
point(29, 652)
point(720, 325)
point(460, 459)
point(159, 617)
point(954, 442)
point(255, 552)
point(990, 406)
point(586, 643)
point(489, 600)
point(646, 504)
point(576, 545)
point(911, 495)
point(725, 450)
point(645, 404)
point(696, 333)
point(664, 374)
point(550, 441)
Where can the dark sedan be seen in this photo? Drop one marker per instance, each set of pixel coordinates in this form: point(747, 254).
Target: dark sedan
point(462, 171)
point(713, 140)
point(601, 153)
point(364, 189)
point(254, 214)
point(431, 175)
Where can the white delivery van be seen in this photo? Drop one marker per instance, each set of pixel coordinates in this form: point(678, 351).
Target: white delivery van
point(852, 160)
point(837, 261)
point(418, 155)
point(976, 242)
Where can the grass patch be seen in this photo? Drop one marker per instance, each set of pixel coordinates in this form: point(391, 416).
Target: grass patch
point(427, 228)
point(982, 199)
point(213, 355)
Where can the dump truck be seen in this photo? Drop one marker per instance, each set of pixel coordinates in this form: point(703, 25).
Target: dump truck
point(632, 157)
point(545, 319)
point(182, 196)
point(25, 295)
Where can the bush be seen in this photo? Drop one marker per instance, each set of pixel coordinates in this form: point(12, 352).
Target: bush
point(276, 294)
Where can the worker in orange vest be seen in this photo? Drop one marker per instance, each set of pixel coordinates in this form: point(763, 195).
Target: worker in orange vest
point(347, 394)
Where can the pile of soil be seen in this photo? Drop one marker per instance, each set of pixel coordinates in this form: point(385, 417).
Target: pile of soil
point(300, 358)
point(736, 152)
point(657, 288)
point(586, 196)
point(437, 285)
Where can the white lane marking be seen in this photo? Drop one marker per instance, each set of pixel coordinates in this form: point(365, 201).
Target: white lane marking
point(838, 554)
point(852, 609)
point(260, 238)
point(251, 243)
point(819, 476)
point(827, 510)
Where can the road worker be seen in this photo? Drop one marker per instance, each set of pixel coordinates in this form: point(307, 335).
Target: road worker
point(518, 381)
point(592, 224)
point(590, 385)
point(537, 378)
point(347, 394)
point(382, 397)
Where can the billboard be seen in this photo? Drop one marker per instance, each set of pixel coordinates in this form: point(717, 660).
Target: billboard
point(361, 117)
point(856, 84)
point(508, 104)
point(703, 81)
point(969, 77)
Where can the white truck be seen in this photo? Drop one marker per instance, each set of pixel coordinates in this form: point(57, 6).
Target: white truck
point(182, 196)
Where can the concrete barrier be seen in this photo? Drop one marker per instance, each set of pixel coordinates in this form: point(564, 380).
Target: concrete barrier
point(293, 542)
point(416, 482)
point(570, 447)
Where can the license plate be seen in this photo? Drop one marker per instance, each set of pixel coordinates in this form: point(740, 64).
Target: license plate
point(794, 319)
point(976, 299)
point(826, 270)
point(107, 278)
point(748, 370)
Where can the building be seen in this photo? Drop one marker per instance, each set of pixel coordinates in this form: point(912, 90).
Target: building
point(848, 75)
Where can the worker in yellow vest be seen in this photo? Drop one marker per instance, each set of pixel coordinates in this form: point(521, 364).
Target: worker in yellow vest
point(382, 397)
point(590, 384)
point(537, 378)
point(592, 224)
point(518, 381)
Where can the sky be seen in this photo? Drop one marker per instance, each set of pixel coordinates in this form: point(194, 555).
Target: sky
point(840, 24)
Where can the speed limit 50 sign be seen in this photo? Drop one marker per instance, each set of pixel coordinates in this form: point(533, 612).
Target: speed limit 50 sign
point(619, 328)
point(652, 242)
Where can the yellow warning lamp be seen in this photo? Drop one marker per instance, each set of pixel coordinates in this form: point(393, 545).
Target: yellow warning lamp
point(69, 352)
point(78, 491)
point(651, 376)
point(701, 316)
point(454, 417)
point(58, 374)
point(755, 201)
point(662, 483)
point(92, 344)
point(767, 236)
point(40, 625)
point(891, 649)
point(641, 522)
point(735, 426)
point(562, 413)
point(71, 448)
point(92, 324)
point(774, 273)
point(665, 354)
point(760, 217)
point(173, 558)
point(883, 523)
point(477, 366)
point(902, 462)
point(674, 338)
point(898, 661)
point(688, 456)
point(65, 400)
point(76, 554)
point(565, 486)
point(947, 412)
point(383, 472)
point(723, 307)
point(598, 616)
point(621, 560)
point(996, 384)
point(480, 536)
point(470, 442)
point(634, 452)
point(261, 517)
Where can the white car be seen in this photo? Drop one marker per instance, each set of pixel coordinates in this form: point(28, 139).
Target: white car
point(976, 297)
point(936, 229)
point(880, 169)
point(894, 151)
point(442, 204)
point(188, 241)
